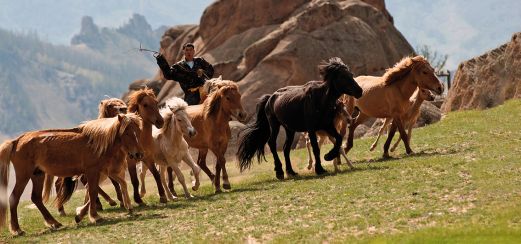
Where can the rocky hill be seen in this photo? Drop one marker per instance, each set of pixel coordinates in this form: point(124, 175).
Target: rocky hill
point(52, 86)
point(488, 80)
point(280, 43)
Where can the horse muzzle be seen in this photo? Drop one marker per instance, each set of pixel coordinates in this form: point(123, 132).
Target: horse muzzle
point(136, 156)
point(192, 132)
point(159, 123)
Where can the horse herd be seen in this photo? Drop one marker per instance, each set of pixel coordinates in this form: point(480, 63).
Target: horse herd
point(144, 135)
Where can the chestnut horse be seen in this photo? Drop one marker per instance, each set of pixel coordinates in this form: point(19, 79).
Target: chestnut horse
point(307, 108)
point(388, 96)
point(87, 149)
point(108, 108)
point(409, 118)
point(210, 120)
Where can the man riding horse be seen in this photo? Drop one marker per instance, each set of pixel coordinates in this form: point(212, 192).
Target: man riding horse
point(191, 73)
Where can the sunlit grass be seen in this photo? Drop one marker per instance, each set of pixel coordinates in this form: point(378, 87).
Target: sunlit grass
point(461, 185)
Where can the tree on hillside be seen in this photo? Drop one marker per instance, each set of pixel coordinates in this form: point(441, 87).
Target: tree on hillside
point(437, 60)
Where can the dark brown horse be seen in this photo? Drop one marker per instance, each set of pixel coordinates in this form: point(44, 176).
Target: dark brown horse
point(307, 108)
point(87, 149)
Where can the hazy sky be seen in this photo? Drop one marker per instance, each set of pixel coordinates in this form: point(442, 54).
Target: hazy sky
point(460, 28)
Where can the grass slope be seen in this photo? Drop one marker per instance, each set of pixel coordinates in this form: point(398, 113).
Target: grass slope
point(462, 185)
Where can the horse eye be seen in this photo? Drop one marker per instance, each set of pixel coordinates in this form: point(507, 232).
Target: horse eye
point(146, 105)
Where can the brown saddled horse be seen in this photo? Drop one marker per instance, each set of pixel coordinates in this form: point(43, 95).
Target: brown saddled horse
point(210, 120)
point(307, 108)
point(388, 96)
point(87, 149)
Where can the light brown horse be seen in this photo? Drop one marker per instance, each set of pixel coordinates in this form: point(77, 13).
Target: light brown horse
point(108, 108)
point(210, 120)
point(87, 149)
point(388, 96)
point(409, 118)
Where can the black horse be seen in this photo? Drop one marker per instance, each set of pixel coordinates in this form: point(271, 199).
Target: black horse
point(307, 108)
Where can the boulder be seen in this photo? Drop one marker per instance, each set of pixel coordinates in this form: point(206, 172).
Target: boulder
point(488, 80)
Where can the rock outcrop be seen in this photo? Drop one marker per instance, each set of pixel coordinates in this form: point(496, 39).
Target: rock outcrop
point(488, 80)
point(268, 44)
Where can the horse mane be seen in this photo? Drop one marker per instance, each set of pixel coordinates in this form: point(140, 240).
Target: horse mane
point(102, 132)
point(212, 104)
point(135, 98)
point(172, 105)
point(102, 108)
point(331, 67)
point(402, 68)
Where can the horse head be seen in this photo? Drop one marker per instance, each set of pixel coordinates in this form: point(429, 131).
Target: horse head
point(111, 107)
point(340, 77)
point(129, 134)
point(228, 98)
point(426, 95)
point(144, 103)
point(179, 120)
point(425, 75)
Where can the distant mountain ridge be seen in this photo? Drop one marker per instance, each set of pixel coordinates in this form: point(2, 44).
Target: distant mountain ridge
point(54, 86)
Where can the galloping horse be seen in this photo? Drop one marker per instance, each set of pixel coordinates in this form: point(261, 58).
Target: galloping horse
point(388, 96)
point(210, 120)
point(307, 108)
point(87, 149)
point(170, 147)
point(108, 108)
point(409, 118)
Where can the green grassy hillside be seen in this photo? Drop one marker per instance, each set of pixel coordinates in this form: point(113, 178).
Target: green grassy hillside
point(463, 184)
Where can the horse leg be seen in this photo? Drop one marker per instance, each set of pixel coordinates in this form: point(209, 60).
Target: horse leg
point(272, 142)
point(119, 178)
point(142, 175)
point(335, 151)
point(361, 118)
point(163, 173)
point(310, 157)
point(157, 177)
point(290, 136)
point(403, 135)
point(57, 185)
point(380, 132)
point(181, 178)
point(99, 207)
point(171, 178)
point(135, 181)
point(316, 151)
point(22, 177)
point(218, 166)
point(117, 188)
point(389, 140)
point(92, 181)
point(36, 197)
point(106, 197)
point(201, 161)
point(195, 169)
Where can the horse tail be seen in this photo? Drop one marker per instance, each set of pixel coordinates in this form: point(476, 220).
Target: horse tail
point(6, 152)
point(47, 187)
point(65, 186)
point(254, 137)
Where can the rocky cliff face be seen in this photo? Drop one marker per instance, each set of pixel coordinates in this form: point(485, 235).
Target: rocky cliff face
point(268, 44)
point(488, 80)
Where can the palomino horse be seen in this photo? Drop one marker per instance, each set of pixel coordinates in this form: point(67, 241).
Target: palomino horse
point(108, 108)
point(307, 108)
point(87, 149)
point(409, 118)
point(210, 120)
point(342, 119)
point(388, 96)
point(170, 147)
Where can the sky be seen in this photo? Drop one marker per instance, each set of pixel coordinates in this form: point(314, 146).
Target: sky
point(460, 28)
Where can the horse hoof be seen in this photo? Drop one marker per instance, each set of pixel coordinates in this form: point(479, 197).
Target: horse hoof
point(310, 167)
point(320, 171)
point(97, 220)
point(189, 196)
point(141, 204)
point(195, 188)
point(279, 175)
point(330, 156)
point(217, 191)
point(113, 204)
point(18, 232)
point(386, 156)
point(62, 213)
point(77, 219)
point(227, 186)
point(410, 152)
point(291, 173)
point(163, 200)
point(55, 226)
